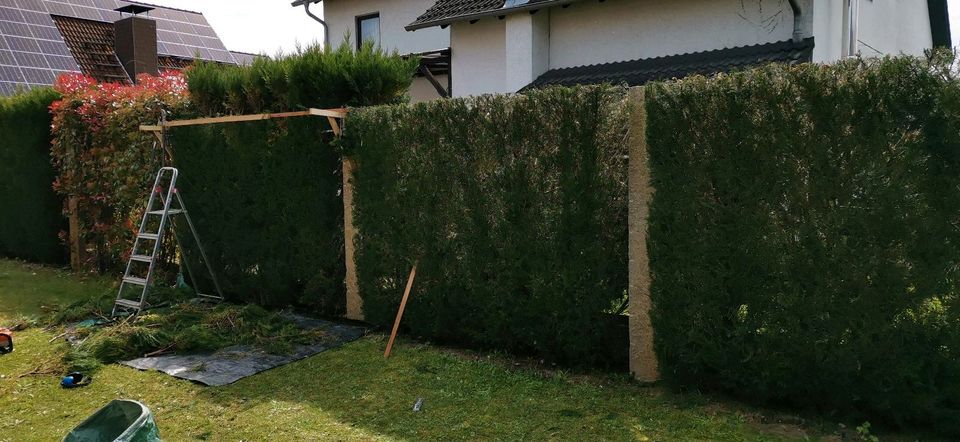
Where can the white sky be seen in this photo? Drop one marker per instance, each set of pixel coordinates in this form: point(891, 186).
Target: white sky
point(268, 25)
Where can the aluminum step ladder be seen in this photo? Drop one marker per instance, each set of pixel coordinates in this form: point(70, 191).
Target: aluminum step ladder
point(146, 246)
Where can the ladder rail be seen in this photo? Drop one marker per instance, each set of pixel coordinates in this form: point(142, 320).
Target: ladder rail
point(166, 199)
point(163, 223)
point(203, 253)
point(136, 239)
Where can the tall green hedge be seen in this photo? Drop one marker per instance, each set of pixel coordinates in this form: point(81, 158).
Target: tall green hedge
point(30, 218)
point(515, 209)
point(265, 197)
point(805, 236)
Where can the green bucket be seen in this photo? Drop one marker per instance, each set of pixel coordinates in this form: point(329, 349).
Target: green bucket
point(119, 421)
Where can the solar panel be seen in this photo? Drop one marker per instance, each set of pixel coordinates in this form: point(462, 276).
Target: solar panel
point(179, 33)
point(33, 52)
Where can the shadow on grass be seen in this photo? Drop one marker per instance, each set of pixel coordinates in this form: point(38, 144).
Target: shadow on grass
point(469, 399)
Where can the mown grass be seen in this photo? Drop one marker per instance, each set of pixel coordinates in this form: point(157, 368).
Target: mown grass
point(30, 289)
point(352, 393)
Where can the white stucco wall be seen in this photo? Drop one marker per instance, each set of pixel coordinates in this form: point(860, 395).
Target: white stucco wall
point(422, 90)
point(617, 30)
point(478, 56)
point(894, 27)
point(341, 16)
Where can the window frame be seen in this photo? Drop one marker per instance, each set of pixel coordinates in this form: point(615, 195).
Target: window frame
point(358, 20)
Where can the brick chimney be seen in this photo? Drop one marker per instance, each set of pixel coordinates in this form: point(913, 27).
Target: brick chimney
point(136, 45)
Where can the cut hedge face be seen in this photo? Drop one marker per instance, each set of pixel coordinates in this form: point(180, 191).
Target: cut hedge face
point(515, 208)
point(265, 197)
point(805, 236)
point(30, 220)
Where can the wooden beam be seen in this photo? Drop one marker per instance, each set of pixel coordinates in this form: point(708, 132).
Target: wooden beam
point(433, 80)
point(403, 305)
point(330, 113)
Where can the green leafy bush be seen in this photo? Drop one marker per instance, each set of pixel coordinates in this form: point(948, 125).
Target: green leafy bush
point(805, 236)
point(310, 77)
point(515, 209)
point(30, 220)
point(265, 197)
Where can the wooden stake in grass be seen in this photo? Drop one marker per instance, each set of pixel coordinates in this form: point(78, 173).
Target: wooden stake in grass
point(403, 304)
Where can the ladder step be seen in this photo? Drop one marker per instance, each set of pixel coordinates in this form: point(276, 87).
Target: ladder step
point(171, 212)
point(152, 236)
point(135, 280)
point(141, 258)
point(128, 303)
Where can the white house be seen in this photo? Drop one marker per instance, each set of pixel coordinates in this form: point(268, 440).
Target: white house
point(480, 46)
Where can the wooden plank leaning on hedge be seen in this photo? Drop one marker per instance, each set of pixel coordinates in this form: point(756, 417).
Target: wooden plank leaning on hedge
point(643, 359)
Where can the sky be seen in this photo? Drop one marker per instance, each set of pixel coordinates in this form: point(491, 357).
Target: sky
point(266, 26)
point(257, 26)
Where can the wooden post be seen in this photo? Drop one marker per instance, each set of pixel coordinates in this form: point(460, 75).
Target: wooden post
point(643, 359)
point(76, 250)
point(354, 301)
point(403, 305)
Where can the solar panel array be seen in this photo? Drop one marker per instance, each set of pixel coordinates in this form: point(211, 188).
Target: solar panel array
point(32, 51)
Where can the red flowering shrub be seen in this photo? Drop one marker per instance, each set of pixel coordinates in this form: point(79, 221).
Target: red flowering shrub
point(104, 160)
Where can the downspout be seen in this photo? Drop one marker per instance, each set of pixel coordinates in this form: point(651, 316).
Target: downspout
point(306, 8)
point(797, 21)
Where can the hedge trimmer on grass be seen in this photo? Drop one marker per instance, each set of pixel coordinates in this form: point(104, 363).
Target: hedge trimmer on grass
point(6, 341)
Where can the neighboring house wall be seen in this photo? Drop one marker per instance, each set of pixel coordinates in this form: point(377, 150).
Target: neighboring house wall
point(893, 27)
point(341, 16)
point(617, 30)
point(478, 57)
point(422, 90)
point(394, 15)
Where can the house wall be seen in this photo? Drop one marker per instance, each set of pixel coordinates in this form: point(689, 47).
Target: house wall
point(894, 27)
point(394, 15)
point(422, 90)
point(478, 54)
point(616, 30)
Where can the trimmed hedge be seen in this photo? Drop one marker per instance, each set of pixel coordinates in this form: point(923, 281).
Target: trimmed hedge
point(30, 220)
point(265, 198)
point(805, 236)
point(515, 209)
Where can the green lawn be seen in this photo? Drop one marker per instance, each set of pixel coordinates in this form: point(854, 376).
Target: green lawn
point(351, 393)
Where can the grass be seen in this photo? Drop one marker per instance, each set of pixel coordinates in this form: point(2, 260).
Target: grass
point(29, 289)
point(352, 393)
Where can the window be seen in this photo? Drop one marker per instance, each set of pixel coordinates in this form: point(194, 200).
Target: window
point(368, 29)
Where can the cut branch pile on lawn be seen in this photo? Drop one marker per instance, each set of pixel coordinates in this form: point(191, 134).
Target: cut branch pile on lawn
point(183, 327)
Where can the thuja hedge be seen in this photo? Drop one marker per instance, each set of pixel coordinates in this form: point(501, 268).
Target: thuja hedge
point(29, 209)
point(265, 197)
point(310, 77)
point(514, 209)
point(805, 236)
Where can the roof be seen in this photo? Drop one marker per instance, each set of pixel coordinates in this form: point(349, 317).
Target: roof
point(444, 12)
point(91, 43)
point(638, 72)
point(34, 49)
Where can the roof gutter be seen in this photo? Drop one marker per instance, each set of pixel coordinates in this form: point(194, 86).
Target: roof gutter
point(306, 8)
point(491, 13)
point(797, 21)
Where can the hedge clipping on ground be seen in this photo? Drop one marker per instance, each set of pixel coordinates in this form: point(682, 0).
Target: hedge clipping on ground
point(805, 236)
point(515, 209)
point(30, 220)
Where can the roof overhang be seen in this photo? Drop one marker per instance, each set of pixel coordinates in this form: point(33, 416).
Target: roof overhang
point(533, 5)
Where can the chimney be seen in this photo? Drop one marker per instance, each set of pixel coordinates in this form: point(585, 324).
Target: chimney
point(136, 43)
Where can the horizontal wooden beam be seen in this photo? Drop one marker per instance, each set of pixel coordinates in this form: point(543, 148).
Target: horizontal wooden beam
point(330, 113)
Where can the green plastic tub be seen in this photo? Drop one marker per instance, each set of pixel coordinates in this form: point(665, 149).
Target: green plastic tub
point(119, 421)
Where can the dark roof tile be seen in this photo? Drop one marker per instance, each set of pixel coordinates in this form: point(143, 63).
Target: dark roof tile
point(638, 72)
